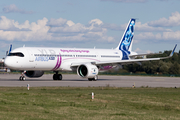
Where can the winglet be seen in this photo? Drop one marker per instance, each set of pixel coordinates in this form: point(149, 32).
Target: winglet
point(173, 51)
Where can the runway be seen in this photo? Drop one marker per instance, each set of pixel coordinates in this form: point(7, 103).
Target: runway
point(12, 80)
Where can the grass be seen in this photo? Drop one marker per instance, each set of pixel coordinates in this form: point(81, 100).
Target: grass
point(110, 103)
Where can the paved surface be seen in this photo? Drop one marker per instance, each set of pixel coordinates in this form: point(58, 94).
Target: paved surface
point(11, 80)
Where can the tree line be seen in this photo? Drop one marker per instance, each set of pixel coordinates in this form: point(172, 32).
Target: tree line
point(165, 66)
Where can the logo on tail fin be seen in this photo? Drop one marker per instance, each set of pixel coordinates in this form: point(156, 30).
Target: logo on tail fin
point(128, 36)
point(125, 45)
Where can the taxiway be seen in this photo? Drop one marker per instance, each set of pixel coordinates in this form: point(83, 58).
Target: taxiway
point(11, 80)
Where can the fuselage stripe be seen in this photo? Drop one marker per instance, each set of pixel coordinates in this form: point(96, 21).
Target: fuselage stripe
point(56, 64)
point(59, 62)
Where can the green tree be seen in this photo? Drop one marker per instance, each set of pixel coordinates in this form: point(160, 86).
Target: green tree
point(174, 69)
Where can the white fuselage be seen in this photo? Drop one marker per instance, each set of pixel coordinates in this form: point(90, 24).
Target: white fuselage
point(58, 59)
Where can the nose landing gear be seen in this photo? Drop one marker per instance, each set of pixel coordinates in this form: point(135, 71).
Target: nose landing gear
point(22, 77)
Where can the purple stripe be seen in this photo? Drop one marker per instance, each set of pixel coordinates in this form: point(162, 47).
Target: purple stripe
point(59, 62)
point(56, 64)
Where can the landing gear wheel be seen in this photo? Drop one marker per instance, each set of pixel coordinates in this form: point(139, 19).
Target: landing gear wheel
point(90, 79)
point(95, 78)
point(59, 77)
point(22, 78)
point(55, 77)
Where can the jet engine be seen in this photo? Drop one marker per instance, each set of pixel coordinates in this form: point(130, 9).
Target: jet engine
point(34, 74)
point(87, 71)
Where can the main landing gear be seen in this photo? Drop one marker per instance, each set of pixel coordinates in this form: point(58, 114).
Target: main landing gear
point(22, 77)
point(57, 76)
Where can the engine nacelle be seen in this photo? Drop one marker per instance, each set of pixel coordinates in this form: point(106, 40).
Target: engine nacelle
point(33, 74)
point(87, 70)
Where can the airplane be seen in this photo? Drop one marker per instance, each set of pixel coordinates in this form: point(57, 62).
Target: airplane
point(33, 61)
point(1, 60)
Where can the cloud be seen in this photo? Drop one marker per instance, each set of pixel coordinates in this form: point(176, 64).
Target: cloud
point(95, 22)
point(34, 31)
point(138, 27)
point(138, 50)
point(155, 30)
point(164, 36)
point(66, 30)
point(57, 22)
point(52, 30)
point(147, 28)
point(10, 25)
point(127, 1)
point(171, 35)
point(14, 9)
point(172, 21)
point(7, 24)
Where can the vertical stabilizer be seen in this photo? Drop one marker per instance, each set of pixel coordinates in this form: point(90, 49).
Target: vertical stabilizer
point(127, 39)
point(10, 48)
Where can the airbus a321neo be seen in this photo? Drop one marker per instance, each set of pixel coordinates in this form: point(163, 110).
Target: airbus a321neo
point(87, 62)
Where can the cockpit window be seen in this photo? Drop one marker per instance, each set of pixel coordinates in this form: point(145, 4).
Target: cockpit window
point(16, 54)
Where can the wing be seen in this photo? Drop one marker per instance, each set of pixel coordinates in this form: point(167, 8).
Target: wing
point(143, 55)
point(126, 61)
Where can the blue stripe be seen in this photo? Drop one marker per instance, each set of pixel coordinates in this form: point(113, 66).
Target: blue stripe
point(125, 55)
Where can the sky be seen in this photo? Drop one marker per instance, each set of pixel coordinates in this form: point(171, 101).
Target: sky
point(89, 24)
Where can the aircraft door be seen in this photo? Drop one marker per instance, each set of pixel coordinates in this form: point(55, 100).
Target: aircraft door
point(31, 57)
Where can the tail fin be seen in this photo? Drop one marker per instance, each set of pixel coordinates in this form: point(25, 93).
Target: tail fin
point(126, 41)
point(10, 48)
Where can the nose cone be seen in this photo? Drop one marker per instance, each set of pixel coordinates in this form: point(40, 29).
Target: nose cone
point(8, 62)
point(14, 62)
